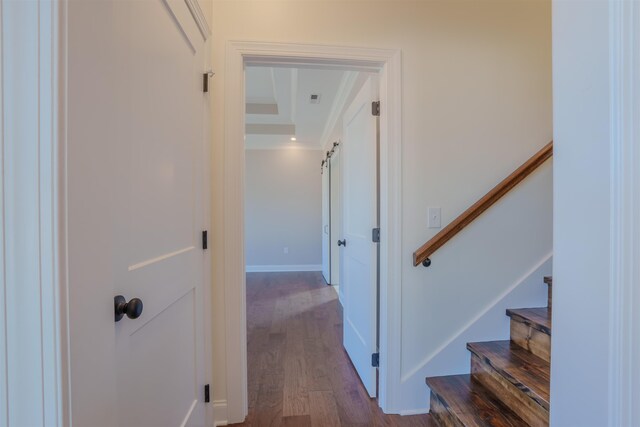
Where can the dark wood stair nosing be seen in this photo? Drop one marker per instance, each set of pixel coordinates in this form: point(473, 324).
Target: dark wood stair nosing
point(468, 408)
point(525, 357)
point(528, 317)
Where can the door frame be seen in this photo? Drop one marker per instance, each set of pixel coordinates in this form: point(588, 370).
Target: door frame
point(38, 42)
point(624, 303)
point(387, 62)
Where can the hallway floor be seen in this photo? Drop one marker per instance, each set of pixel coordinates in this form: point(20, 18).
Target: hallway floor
point(299, 373)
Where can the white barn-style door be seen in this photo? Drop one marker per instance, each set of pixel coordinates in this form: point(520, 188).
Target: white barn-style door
point(326, 223)
point(136, 171)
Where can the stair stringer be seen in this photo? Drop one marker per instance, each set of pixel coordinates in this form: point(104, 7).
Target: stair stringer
point(490, 324)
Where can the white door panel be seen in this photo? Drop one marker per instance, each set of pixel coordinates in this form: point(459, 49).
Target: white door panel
point(358, 266)
point(136, 188)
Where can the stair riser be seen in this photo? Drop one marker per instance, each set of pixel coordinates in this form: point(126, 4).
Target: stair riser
point(526, 408)
point(441, 415)
point(531, 339)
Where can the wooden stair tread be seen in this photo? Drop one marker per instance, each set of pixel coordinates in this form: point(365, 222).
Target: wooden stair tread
point(470, 403)
point(537, 318)
point(527, 372)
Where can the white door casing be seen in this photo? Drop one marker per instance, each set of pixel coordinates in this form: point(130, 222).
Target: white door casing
point(389, 65)
point(32, 378)
point(136, 185)
point(358, 260)
point(624, 133)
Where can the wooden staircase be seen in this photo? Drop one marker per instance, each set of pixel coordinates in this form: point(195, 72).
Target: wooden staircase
point(509, 380)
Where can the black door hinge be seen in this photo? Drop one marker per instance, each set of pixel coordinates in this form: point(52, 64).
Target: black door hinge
point(205, 82)
point(375, 360)
point(207, 397)
point(375, 235)
point(375, 108)
point(204, 240)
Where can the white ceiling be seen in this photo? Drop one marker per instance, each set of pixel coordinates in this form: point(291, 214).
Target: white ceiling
point(278, 106)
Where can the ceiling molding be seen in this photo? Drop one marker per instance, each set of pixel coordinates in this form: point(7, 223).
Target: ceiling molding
point(198, 16)
point(269, 129)
point(344, 90)
point(261, 108)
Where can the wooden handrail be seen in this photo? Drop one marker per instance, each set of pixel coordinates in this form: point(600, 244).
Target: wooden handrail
point(422, 254)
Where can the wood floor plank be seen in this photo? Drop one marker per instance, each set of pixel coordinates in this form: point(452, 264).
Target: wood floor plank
point(299, 373)
point(268, 411)
point(271, 358)
point(279, 320)
point(323, 408)
point(296, 392)
point(317, 370)
point(297, 421)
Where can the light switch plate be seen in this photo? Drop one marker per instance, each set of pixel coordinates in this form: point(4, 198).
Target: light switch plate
point(434, 220)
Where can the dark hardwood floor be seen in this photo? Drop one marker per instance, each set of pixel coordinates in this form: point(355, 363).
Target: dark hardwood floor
point(299, 373)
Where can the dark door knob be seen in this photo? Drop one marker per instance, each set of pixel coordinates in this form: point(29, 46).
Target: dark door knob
point(342, 242)
point(133, 308)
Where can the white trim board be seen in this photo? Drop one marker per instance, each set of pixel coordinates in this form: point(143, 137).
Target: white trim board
point(388, 64)
point(283, 268)
point(33, 363)
point(624, 300)
point(220, 411)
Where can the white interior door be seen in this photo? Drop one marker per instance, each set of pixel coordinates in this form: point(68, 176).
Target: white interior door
point(326, 217)
point(358, 266)
point(136, 168)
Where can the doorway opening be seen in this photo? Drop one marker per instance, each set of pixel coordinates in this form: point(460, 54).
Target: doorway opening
point(386, 65)
point(292, 117)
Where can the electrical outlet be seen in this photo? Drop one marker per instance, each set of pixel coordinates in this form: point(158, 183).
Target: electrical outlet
point(434, 220)
point(285, 250)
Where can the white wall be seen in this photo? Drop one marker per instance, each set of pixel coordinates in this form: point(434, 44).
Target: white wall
point(283, 208)
point(476, 103)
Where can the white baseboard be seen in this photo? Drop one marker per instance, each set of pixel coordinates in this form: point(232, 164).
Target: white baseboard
point(220, 412)
point(283, 268)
